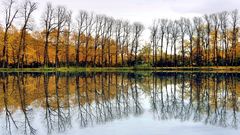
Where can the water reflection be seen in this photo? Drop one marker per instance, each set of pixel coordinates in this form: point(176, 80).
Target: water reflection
point(34, 103)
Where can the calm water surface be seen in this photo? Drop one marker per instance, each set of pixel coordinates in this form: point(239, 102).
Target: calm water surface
point(119, 103)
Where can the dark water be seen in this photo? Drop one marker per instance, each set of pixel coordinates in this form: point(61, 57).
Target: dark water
point(119, 103)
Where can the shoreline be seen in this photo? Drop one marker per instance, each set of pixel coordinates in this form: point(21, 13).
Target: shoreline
point(220, 69)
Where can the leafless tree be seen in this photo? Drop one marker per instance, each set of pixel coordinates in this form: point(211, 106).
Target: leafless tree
point(183, 30)
point(80, 31)
point(118, 34)
point(108, 36)
point(103, 39)
point(163, 26)
point(50, 25)
point(198, 27)
point(175, 35)
point(190, 31)
point(207, 37)
point(168, 32)
point(235, 29)
point(223, 19)
point(137, 32)
point(10, 14)
point(125, 40)
point(28, 8)
point(68, 32)
point(98, 27)
point(61, 15)
point(215, 21)
point(89, 22)
point(155, 38)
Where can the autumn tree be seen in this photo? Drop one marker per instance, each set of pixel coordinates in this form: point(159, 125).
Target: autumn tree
point(99, 40)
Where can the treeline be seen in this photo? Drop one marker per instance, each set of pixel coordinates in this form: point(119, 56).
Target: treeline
point(202, 41)
point(93, 40)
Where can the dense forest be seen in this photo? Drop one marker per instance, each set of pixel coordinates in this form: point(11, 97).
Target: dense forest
point(95, 40)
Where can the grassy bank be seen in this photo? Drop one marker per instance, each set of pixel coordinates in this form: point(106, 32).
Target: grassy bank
point(128, 69)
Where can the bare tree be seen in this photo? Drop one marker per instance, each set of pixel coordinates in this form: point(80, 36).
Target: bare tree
point(137, 32)
point(223, 18)
point(118, 34)
point(80, 29)
point(61, 15)
point(125, 40)
point(234, 23)
point(10, 15)
point(163, 26)
point(168, 32)
point(89, 22)
point(155, 41)
point(98, 27)
point(28, 8)
point(190, 31)
point(103, 39)
point(109, 33)
point(198, 26)
point(183, 30)
point(215, 21)
point(175, 35)
point(68, 30)
point(207, 37)
point(48, 20)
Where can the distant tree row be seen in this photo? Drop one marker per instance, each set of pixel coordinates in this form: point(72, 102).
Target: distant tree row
point(202, 41)
point(93, 40)
point(88, 40)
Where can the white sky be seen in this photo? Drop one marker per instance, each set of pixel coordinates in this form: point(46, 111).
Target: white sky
point(144, 11)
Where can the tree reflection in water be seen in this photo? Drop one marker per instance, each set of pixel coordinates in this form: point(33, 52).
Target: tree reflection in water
point(99, 98)
point(211, 98)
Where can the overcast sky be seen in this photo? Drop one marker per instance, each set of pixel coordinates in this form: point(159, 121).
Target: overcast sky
point(146, 10)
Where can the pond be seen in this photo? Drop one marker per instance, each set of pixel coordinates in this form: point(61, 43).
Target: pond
point(165, 103)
